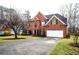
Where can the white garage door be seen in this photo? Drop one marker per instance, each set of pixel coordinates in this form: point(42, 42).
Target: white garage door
point(54, 33)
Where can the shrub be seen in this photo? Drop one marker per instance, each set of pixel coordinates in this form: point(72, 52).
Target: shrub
point(68, 36)
point(7, 33)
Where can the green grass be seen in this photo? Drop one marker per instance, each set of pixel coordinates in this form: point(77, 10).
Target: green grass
point(12, 39)
point(64, 48)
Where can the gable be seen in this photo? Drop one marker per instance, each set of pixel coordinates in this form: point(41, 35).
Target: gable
point(47, 18)
point(57, 19)
point(62, 19)
point(40, 16)
point(54, 21)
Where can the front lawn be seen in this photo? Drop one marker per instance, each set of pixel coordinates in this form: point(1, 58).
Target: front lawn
point(20, 38)
point(64, 47)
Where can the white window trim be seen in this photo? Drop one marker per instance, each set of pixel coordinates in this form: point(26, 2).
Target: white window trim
point(43, 23)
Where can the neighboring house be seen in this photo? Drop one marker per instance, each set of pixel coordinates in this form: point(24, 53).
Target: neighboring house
point(53, 25)
point(28, 27)
point(4, 29)
point(4, 17)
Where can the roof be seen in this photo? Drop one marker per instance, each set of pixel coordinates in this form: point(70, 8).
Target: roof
point(49, 16)
point(62, 18)
point(4, 21)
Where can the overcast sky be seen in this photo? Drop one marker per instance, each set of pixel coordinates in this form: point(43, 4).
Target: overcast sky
point(45, 6)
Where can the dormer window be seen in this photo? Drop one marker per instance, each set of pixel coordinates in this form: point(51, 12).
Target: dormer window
point(53, 22)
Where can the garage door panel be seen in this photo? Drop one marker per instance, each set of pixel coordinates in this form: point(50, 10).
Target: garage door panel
point(54, 33)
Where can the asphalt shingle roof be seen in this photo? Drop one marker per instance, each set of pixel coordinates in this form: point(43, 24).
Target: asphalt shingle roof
point(62, 18)
point(3, 21)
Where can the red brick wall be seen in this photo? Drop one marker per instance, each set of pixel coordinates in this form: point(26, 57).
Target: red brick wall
point(40, 19)
point(56, 27)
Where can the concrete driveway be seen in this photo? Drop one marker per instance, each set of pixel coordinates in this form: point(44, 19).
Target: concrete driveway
point(40, 46)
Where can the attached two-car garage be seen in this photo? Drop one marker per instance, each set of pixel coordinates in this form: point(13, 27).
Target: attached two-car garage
point(54, 33)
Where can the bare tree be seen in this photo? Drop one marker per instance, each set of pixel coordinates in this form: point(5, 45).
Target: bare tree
point(71, 11)
point(15, 22)
point(66, 11)
point(27, 16)
point(12, 19)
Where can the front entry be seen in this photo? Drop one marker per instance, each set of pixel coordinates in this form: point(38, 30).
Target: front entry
point(35, 32)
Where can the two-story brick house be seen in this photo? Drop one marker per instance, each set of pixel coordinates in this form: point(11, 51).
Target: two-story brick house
point(53, 25)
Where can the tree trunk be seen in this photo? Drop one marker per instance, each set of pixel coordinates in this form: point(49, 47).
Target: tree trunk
point(76, 40)
point(15, 34)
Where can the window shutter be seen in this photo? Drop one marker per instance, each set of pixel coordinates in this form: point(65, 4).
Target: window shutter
point(56, 21)
point(51, 21)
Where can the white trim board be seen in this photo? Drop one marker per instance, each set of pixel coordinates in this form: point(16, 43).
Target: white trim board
point(55, 17)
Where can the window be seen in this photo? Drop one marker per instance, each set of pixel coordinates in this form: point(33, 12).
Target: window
point(43, 23)
point(62, 26)
point(54, 22)
point(35, 24)
point(41, 32)
point(28, 24)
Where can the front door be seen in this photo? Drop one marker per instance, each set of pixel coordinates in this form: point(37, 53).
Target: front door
point(35, 32)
